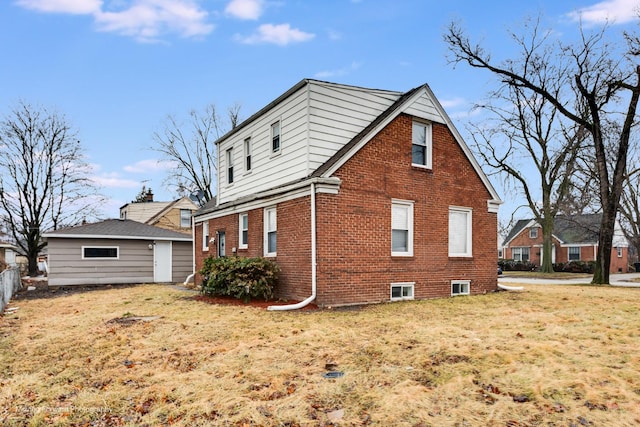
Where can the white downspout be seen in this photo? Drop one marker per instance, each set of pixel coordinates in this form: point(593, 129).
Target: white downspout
point(306, 302)
point(193, 251)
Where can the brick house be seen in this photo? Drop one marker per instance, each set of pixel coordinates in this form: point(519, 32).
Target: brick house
point(360, 196)
point(574, 239)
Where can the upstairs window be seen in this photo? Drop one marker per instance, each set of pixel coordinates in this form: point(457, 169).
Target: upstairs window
point(619, 250)
point(230, 166)
point(243, 231)
point(574, 253)
point(401, 228)
point(533, 232)
point(421, 145)
point(247, 154)
point(270, 232)
point(460, 232)
point(275, 137)
point(185, 218)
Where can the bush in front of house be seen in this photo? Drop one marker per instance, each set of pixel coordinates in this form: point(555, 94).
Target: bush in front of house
point(575, 267)
point(239, 277)
point(511, 265)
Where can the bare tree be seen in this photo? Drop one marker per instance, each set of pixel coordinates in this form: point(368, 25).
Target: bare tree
point(598, 86)
point(192, 148)
point(43, 178)
point(535, 140)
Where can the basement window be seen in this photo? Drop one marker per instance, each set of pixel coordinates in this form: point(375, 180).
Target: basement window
point(460, 287)
point(100, 252)
point(402, 291)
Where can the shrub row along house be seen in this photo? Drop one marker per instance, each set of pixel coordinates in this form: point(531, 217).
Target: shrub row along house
point(574, 238)
point(360, 195)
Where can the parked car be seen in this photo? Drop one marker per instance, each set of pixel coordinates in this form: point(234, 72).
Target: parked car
point(499, 270)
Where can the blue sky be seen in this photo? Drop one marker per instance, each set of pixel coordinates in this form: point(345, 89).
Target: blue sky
point(117, 68)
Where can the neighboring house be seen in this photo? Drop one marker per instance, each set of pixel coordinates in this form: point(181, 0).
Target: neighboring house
point(118, 251)
point(174, 215)
point(370, 195)
point(574, 239)
point(8, 253)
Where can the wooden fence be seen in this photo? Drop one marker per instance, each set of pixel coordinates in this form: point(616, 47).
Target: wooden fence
point(9, 284)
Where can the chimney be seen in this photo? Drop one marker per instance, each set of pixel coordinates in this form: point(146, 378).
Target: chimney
point(148, 196)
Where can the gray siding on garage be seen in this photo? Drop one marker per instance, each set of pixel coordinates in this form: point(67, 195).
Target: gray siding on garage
point(66, 266)
point(182, 256)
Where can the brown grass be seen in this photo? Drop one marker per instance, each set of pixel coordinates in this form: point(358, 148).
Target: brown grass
point(552, 356)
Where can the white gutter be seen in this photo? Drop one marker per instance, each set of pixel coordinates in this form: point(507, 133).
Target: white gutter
point(510, 288)
point(306, 302)
point(193, 251)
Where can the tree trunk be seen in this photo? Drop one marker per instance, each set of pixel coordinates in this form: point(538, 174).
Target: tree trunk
point(546, 266)
point(605, 245)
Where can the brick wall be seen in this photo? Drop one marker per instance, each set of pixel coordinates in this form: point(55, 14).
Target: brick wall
point(354, 228)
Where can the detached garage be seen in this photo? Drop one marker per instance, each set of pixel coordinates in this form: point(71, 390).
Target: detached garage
point(118, 251)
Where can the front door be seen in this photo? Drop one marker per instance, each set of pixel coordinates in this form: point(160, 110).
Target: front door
point(221, 244)
point(162, 262)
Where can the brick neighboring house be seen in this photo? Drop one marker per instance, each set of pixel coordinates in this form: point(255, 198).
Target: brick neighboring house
point(364, 195)
point(574, 239)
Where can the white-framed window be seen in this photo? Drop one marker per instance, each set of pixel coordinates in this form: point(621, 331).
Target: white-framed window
point(460, 287)
point(247, 154)
point(230, 166)
point(270, 232)
point(574, 253)
point(520, 254)
point(185, 218)
point(205, 236)
point(619, 250)
point(275, 137)
point(421, 146)
point(243, 231)
point(401, 228)
point(533, 232)
point(402, 291)
point(100, 252)
point(460, 232)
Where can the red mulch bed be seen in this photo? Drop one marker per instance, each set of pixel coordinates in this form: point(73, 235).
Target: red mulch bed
point(225, 300)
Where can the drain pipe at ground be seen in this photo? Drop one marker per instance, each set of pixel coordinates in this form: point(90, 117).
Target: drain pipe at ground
point(306, 302)
point(193, 251)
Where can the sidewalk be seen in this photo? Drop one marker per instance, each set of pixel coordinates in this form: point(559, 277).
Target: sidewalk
point(624, 280)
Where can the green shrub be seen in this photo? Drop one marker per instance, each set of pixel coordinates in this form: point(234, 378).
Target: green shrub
point(239, 277)
point(511, 265)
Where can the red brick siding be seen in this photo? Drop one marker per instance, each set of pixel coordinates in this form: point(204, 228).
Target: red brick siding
point(354, 228)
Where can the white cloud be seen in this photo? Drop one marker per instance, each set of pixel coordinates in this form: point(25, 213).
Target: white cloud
point(339, 72)
point(281, 35)
point(453, 102)
point(74, 7)
point(613, 11)
point(150, 165)
point(145, 20)
point(114, 180)
point(245, 9)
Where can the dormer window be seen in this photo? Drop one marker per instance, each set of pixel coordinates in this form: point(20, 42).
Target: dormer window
point(275, 137)
point(533, 232)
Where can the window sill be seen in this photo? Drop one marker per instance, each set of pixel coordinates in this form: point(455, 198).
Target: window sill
point(421, 167)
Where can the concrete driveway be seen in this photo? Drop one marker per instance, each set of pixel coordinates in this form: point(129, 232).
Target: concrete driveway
point(615, 279)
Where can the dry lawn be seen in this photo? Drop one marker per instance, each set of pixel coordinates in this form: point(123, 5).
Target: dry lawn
point(550, 356)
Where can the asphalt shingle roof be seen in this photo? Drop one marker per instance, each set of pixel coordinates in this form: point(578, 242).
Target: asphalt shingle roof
point(121, 228)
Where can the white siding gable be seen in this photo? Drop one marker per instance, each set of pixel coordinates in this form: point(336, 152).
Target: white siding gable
point(315, 122)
